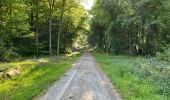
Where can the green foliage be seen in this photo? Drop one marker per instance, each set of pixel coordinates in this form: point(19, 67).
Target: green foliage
point(135, 77)
point(7, 54)
point(24, 26)
point(155, 71)
point(35, 77)
point(123, 24)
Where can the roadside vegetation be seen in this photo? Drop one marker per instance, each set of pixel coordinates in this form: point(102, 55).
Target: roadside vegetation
point(137, 78)
point(138, 29)
point(34, 76)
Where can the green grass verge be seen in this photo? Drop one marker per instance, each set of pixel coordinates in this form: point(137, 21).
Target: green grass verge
point(35, 77)
point(132, 87)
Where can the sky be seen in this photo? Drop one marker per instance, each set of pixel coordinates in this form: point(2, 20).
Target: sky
point(88, 4)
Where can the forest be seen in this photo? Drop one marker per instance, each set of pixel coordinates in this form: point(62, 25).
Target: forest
point(130, 27)
point(85, 49)
point(134, 36)
point(40, 27)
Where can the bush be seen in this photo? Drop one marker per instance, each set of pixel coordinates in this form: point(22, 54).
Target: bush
point(155, 71)
point(2, 51)
point(165, 55)
point(7, 54)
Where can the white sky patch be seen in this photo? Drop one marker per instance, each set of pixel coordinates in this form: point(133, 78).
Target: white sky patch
point(88, 4)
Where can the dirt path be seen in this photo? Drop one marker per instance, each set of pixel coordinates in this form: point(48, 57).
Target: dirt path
point(85, 81)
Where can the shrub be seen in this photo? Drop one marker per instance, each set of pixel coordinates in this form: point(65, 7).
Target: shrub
point(155, 71)
point(7, 54)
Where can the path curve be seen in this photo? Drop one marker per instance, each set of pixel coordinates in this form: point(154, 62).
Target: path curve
point(85, 81)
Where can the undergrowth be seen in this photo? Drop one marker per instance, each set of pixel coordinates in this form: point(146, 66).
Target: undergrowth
point(137, 78)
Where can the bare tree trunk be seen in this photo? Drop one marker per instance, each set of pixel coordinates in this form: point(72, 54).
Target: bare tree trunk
point(130, 42)
point(157, 36)
point(10, 26)
point(37, 41)
point(143, 34)
point(60, 27)
point(32, 21)
point(36, 30)
point(50, 26)
point(1, 19)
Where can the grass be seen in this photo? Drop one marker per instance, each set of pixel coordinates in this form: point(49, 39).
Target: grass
point(131, 86)
point(35, 77)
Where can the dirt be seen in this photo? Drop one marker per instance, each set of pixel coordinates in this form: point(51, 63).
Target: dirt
point(10, 73)
point(85, 81)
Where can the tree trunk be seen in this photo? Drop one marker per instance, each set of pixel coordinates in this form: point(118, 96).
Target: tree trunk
point(32, 17)
point(129, 41)
point(1, 19)
point(32, 21)
point(157, 36)
point(10, 26)
point(36, 29)
point(37, 41)
point(50, 26)
point(60, 27)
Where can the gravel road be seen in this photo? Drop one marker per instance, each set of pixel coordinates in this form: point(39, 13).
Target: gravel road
point(85, 81)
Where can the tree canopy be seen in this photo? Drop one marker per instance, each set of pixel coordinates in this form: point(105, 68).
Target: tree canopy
point(130, 26)
point(29, 27)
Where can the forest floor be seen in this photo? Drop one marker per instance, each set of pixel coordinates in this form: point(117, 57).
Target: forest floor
point(85, 81)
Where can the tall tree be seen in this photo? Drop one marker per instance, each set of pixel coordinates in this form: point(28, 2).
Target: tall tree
point(25, 21)
point(50, 25)
point(1, 24)
point(129, 23)
point(60, 27)
point(36, 26)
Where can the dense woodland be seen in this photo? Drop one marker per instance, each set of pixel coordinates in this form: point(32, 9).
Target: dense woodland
point(133, 27)
point(34, 27)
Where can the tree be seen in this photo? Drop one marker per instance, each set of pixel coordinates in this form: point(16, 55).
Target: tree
point(60, 27)
point(50, 25)
point(129, 23)
point(25, 21)
point(1, 24)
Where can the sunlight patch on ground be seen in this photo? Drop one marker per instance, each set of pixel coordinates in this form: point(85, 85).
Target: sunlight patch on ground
point(72, 54)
